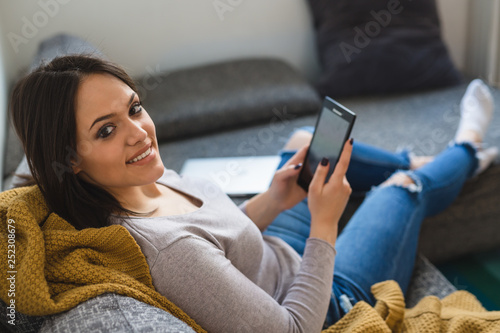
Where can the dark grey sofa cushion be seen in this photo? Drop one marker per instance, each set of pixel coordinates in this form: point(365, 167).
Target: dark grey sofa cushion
point(225, 95)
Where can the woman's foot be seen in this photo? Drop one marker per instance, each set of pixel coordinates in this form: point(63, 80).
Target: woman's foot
point(485, 158)
point(476, 110)
point(299, 139)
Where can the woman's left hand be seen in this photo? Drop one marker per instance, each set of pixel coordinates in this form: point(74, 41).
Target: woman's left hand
point(284, 190)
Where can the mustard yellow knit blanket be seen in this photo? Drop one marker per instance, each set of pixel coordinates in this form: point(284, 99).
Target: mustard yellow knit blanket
point(459, 312)
point(47, 266)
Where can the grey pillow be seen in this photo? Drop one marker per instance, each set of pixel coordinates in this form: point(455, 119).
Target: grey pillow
point(225, 95)
point(426, 280)
point(61, 45)
point(380, 47)
point(114, 313)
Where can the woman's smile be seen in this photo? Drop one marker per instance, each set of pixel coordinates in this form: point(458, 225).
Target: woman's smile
point(143, 158)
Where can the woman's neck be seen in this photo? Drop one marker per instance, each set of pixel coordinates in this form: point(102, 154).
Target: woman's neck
point(140, 199)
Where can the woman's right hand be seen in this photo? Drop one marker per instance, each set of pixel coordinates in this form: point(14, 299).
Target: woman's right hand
point(327, 201)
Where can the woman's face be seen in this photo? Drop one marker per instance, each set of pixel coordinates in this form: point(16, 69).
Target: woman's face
point(116, 138)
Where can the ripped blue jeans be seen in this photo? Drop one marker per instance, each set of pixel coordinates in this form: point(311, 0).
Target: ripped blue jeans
point(380, 241)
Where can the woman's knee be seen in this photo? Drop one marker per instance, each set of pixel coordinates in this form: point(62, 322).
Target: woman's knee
point(299, 139)
point(403, 179)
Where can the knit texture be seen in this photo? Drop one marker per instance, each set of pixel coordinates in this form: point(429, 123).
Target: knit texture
point(56, 267)
point(459, 312)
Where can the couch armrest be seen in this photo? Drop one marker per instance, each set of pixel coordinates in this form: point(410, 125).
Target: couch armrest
point(469, 225)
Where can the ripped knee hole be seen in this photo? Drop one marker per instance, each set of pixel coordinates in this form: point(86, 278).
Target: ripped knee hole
point(400, 179)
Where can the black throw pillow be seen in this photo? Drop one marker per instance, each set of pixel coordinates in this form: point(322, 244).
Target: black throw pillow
point(380, 46)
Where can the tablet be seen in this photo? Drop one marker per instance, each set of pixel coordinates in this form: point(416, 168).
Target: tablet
point(333, 128)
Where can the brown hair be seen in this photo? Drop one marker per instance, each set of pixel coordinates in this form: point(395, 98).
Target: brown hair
point(42, 108)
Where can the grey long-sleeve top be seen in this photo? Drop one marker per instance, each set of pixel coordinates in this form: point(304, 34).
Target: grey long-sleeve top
point(216, 265)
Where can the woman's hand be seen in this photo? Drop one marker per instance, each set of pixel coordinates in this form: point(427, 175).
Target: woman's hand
point(327, 201)
point(284, 190)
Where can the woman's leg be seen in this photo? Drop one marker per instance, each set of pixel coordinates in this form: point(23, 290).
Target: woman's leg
point(379, 243)
point(369, 165)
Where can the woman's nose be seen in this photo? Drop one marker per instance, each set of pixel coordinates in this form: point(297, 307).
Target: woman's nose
point(136, 133)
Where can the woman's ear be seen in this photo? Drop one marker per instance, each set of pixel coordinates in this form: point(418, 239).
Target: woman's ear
point(73, 160)
point(75, 166)
point(84, 148)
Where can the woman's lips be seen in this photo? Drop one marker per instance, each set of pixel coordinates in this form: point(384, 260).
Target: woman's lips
point(140, 157)
point(141, 154)
point(148, 158)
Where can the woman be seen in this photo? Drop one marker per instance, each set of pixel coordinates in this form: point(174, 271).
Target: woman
point(92, 150)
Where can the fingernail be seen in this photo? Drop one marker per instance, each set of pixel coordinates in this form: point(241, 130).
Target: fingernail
point(298, 166)
point(351, 141)
point(324, 161)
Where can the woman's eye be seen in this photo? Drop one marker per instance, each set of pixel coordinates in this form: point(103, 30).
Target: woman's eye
point(105, 131)
point(135, 109)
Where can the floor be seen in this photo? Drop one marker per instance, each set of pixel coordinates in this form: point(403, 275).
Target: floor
point(478, 274)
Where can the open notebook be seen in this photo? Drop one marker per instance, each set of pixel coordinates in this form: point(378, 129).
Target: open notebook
point(237, 176)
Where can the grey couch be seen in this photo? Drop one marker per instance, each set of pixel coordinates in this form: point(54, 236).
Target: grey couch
point(249, 107)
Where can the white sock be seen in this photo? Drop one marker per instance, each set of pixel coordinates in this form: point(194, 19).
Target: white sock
point(486, 157)
point(476, 109)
